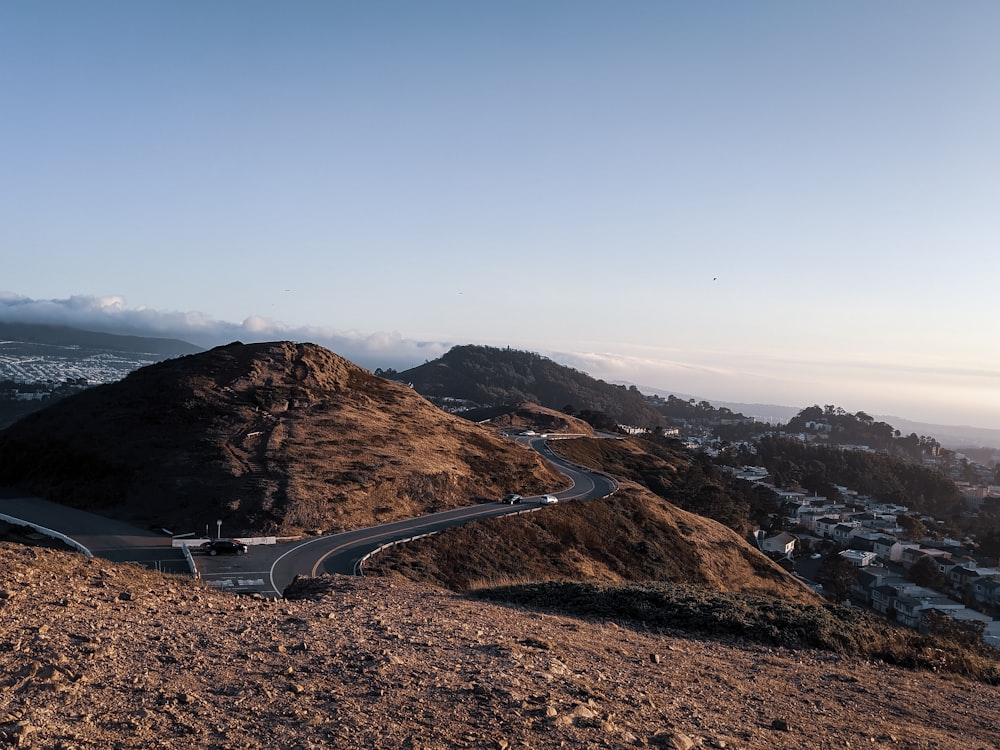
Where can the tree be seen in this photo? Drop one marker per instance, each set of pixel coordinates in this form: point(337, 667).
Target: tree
point(925, 572)
point(837, 576)
point(913, 528)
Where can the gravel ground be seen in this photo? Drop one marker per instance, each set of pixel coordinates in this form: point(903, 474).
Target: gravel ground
point(98, 656)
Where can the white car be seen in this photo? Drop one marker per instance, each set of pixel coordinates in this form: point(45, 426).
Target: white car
point(548, 499)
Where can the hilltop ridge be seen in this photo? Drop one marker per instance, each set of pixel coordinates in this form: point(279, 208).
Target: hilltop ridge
point(273, 437)
point(482, 376)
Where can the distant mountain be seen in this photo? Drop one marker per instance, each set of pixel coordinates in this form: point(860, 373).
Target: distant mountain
point(482, 376)
point(272, 437)
point(39, 364)
point(761, 412)
point(952, 437)
point(33, 333)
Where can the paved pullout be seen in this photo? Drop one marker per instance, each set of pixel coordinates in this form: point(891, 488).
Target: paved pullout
point(93, 534)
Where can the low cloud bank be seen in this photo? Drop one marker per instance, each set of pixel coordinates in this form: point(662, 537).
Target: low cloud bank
point(112, 315)
point(941, 394)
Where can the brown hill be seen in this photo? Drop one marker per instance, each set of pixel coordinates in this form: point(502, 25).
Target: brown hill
point(529, 416)
point(271, 437)
point(490, 376)
point(632, 536)
point(98, 656)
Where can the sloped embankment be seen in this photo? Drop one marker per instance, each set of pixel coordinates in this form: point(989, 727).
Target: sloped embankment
point(632, 536)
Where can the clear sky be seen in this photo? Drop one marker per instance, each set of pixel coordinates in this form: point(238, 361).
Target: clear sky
point(782, 202)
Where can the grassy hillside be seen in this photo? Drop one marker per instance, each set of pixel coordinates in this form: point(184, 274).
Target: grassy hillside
point(529, 416)
point(276, 437)
point(947, 647)
point(632, 536)
point(688, 480)
point(489, 376)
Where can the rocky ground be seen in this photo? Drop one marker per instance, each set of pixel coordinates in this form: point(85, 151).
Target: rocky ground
point(98, 656)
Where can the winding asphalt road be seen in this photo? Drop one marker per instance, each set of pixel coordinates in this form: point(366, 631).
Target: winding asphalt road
point(268, 569)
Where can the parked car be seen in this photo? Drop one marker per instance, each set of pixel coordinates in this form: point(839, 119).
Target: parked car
point(548, 499)
point(224, 547)
point(512, 499)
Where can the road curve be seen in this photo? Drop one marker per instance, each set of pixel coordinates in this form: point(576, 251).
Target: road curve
point(269, 569)
point(341, 553)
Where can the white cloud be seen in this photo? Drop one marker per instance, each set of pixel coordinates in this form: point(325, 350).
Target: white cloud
point(112, 315)
point(929, 390)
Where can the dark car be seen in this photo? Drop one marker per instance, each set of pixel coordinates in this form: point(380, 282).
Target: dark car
point(512, 499)
point(224, 547)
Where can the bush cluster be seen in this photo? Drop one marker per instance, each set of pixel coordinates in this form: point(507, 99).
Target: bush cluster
point(758, 619)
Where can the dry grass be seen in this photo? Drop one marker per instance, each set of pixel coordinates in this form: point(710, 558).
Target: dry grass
point(763, 620)
point(96, 655)
point(531, 416)
point(633, 536)
point(276, 438)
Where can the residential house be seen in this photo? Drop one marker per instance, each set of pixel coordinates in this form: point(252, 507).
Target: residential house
point(963, 578)
point(807, 517)
point(844, 530)
point(991, 633)
point(789, 496)
point(751, 474)
point(858, 558)
point(883, 524)
point(826, 525)
point(870, 577)
point(882, 546)
point(912, 554)
point(967, 615)
point(961, 615)
point(863, 540)
point(896, 550)
point(987, 591)
point(783, 543)
point(884, 596)
point(910, 609)
point(808, 542)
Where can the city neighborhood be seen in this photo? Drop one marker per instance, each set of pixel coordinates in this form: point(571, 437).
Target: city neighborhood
point(868, 534)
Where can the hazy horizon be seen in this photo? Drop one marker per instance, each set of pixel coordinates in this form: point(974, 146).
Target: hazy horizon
point(375, 350)
point(772, 202)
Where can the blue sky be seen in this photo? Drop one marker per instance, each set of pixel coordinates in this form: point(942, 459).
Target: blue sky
point(778, 202)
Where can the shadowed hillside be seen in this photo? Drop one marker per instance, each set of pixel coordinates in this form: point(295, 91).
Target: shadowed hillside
point(488, 376)
point(271, 437)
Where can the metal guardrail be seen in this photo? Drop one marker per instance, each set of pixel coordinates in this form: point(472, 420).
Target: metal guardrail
point(189, 559)
point(47, 532)
point(359, 565)
point(359, 569)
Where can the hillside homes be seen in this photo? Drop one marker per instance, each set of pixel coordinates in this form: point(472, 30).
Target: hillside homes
point(868, 535)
